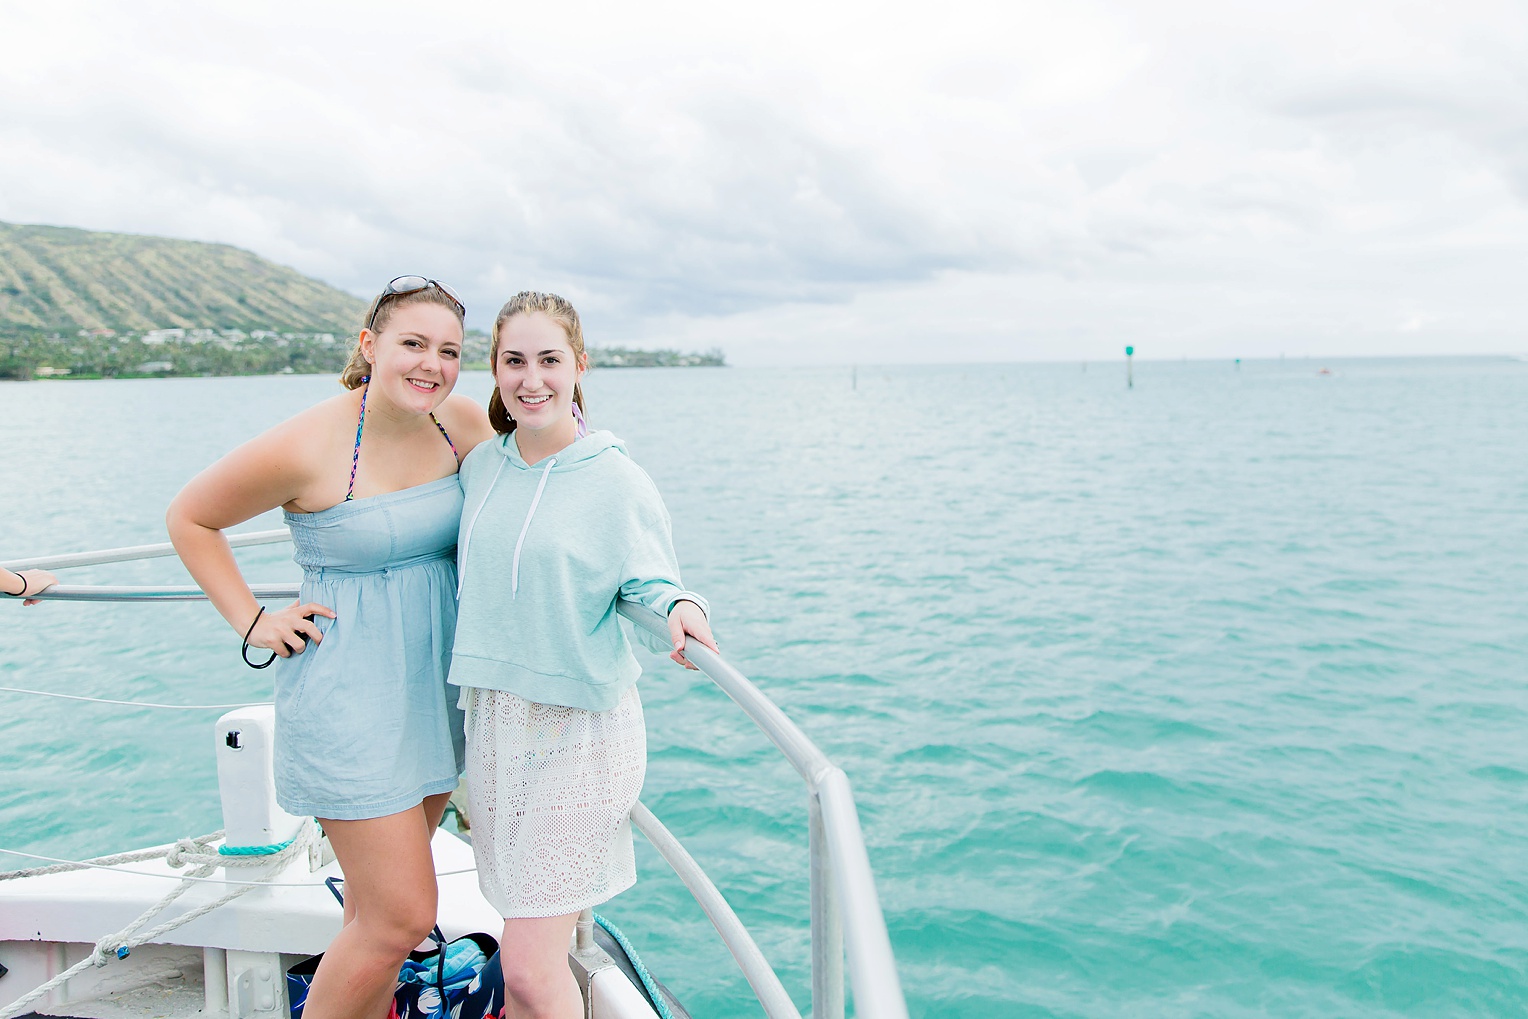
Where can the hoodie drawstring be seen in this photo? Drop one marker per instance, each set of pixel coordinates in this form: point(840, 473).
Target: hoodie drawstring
point(461, 572)
point(514, 570)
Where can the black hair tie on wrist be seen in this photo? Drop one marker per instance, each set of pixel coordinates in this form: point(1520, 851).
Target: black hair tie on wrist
point(24, 585)
point(245, 650)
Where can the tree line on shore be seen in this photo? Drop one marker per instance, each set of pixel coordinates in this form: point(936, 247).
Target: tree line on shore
point(201, 352)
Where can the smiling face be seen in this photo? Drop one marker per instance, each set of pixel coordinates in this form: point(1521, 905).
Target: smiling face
point(536, 369)
point(415, 357)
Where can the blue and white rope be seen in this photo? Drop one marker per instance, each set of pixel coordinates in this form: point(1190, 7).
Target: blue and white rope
point(653, 991)
point(186, 851)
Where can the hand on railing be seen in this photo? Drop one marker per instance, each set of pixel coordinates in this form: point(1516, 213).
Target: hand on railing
point(26, 583)
point(686, 619)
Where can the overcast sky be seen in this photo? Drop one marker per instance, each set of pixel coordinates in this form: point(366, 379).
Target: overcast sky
point(822, 182)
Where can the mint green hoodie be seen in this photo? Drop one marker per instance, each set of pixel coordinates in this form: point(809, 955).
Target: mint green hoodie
point(542, 555)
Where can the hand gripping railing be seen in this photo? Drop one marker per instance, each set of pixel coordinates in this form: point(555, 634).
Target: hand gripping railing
point(69, 592)
point(845, 909)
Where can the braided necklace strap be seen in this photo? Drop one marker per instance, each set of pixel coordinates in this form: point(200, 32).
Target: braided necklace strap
point(446, 434)
point(355, 457)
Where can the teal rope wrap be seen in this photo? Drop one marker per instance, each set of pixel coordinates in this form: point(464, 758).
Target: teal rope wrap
point(253, 850)
point(636, 963)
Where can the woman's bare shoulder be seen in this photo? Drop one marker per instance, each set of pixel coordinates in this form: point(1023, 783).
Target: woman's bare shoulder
point(278, 467)
point(310, 430)
point(304, 448)
point(466, 420)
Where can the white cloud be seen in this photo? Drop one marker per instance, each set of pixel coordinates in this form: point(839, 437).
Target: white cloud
point(839, 182)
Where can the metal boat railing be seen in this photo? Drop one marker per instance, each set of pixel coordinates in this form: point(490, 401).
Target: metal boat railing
point(133, 552)
point(846, 913)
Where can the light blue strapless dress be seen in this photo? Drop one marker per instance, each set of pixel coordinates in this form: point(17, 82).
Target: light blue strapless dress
point(365, 726)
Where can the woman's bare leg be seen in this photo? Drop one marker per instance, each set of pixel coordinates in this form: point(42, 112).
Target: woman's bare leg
point(391, 898)
point(537, 981)
point(434, 810)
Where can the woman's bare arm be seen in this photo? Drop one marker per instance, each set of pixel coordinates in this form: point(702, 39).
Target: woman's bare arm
point(269, 471)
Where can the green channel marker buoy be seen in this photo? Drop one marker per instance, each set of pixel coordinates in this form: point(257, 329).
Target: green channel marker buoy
point(1130, 367)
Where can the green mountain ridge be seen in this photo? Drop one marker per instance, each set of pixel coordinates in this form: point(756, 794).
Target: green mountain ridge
point(60, 279)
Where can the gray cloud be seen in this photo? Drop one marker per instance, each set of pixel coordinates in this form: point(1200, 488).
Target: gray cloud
point(1039, 179)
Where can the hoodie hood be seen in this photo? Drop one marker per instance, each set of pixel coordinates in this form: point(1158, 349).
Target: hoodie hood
point(569, 458)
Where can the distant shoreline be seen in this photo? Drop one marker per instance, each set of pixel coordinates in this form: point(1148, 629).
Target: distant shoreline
point(140, 376)
point(204, 353)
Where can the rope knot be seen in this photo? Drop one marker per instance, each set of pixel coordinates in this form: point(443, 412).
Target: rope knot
point(176, 857)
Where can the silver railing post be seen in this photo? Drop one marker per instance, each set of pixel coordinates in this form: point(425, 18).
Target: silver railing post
point(827, 923)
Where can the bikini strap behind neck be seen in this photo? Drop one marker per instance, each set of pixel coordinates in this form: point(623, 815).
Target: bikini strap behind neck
point(355, 455)
point(447, 435)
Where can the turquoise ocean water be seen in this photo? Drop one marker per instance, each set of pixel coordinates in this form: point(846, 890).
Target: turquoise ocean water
point(1202, 699)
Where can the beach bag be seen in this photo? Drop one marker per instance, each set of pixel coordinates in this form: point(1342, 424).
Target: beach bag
point(437, 984)
point(484, 997)
point(457, 980)
point(451, 981)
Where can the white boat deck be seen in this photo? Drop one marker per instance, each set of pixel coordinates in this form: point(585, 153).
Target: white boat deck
point(230, 962)
point(78, 906)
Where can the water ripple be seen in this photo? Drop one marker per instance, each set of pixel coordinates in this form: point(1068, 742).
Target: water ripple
point(1202, 699)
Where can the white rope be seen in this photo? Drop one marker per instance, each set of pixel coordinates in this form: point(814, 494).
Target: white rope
point(133, 704)
point(184, 852)
point(107, 863)
point(98, 862)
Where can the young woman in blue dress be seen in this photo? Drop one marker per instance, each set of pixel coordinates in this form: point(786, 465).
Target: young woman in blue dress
point(367, 738)
point(558, 524)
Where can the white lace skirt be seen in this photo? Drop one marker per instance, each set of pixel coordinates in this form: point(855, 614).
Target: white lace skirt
point(549, 795)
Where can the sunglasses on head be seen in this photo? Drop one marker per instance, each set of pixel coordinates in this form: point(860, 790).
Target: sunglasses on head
point(412, 285)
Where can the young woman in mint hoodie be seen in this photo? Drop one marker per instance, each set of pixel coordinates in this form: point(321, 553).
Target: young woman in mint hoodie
point(556, 526)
